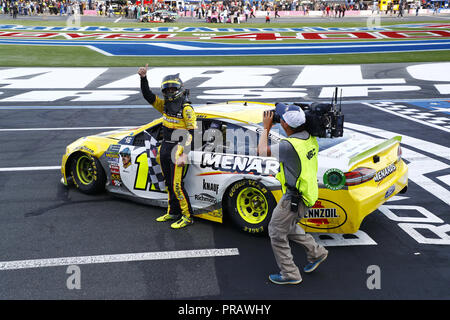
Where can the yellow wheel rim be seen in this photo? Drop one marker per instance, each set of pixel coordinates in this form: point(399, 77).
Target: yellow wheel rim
point(85, 170)
point(252, 205)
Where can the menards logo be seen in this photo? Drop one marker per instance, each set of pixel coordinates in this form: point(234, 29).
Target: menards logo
point(240, 164)
point(383, 173)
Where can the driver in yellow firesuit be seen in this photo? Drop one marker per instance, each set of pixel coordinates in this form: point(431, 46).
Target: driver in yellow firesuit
point(178, 114)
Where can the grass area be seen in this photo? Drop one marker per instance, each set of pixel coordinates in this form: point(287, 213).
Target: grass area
point(45, 56)
point(54, 56)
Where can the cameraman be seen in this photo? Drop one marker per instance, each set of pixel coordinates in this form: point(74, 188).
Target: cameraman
point(298, 178)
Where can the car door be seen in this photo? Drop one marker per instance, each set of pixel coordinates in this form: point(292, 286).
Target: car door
point(227, 153)
point(140, 172)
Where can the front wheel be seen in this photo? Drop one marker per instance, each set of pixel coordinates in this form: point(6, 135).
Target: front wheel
point(250, 205)
point(87, 173)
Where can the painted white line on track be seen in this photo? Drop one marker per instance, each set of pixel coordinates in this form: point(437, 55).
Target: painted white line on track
point(30, 168)
point(144, 256)
point(63, 129)
point(100, 51)
point(143, 106)
point(433, 148)
point(445, 179)
point(184, 47)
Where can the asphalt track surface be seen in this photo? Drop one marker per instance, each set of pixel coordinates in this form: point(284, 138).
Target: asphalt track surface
point(40, 218)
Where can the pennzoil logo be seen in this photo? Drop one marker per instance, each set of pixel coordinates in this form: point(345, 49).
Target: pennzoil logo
point(324, 214)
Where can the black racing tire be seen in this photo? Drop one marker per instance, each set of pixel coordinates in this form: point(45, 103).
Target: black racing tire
point(250, 205)
point(87, 173)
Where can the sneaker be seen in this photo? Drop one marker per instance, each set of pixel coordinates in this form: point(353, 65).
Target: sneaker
point(167, 217)
point(310, 267)
point(183, 222)
point(279, 279)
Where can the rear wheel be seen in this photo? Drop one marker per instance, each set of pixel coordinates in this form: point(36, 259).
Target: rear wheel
point(250, 205)
point(87, 173)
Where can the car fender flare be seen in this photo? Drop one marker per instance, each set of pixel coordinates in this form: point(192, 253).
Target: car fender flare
point(268, 181)
point(80, 151)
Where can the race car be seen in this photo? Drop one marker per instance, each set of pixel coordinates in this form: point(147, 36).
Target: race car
point(159, 16)
point(227, 179)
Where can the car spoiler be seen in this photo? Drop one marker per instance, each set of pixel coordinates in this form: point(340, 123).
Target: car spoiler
point(373, 151)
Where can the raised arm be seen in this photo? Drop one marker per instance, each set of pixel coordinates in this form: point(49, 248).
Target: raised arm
point(151, 98)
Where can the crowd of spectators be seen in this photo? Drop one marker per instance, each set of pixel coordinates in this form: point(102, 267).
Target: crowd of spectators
point(234, 11)
point(39, 7)
point(218, 11)
point(337, 10)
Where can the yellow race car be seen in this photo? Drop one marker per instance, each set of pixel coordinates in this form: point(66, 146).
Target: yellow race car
point(226, 178)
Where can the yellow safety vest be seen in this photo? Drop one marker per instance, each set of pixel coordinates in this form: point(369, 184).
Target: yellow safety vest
point(307, 151)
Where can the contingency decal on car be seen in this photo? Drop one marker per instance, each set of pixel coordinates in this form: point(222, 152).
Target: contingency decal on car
point(240, 164)
point(334, 179)
point(112, 157)
point(324, 214)
point(84, 149)
point(383, 173)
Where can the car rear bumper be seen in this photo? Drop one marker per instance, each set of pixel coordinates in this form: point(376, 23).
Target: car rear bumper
point(342, 211)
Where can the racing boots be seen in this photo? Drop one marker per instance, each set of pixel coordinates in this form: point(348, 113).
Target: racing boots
point(167, 217)
point(183, 222)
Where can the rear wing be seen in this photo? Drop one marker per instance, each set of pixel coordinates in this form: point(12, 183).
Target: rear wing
point(373, 151)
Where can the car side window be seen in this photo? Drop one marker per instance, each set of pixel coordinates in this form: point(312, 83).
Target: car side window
point(213, 136)
point(155, 132)
point(139, 140)
point(226, 137)
point(241, 140)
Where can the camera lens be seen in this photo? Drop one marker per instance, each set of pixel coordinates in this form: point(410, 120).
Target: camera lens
point(276, 117)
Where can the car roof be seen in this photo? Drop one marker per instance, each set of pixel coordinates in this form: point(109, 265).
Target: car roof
point(244, 111)
point(241, 111)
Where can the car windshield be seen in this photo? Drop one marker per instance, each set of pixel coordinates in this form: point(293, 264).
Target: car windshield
point(325, 143)
point(276, 129)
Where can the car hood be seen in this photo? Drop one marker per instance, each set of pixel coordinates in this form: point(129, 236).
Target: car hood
point(118, 134)
point(97, 144)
